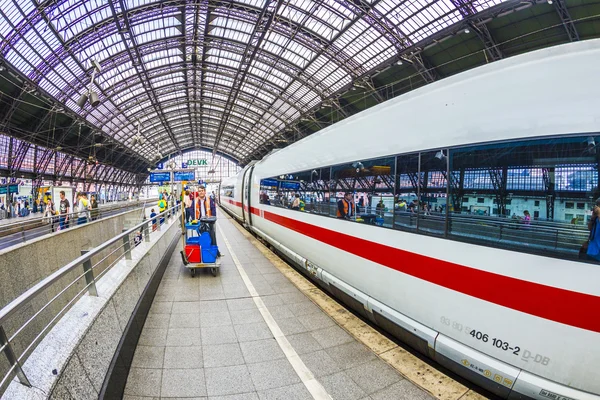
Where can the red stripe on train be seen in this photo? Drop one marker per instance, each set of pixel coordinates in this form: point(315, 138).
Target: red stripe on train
point(555, 304)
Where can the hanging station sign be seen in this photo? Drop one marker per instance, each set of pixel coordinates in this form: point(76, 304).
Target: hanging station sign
point(179, 176)
point(157, 177)
point(9, 188)
point(197, 163)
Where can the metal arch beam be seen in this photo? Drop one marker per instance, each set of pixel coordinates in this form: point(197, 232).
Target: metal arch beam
point(42, 15)
point(183, 47)
point(567, 21)
point(391, 32)
point(223, 71)
point(468, 11)
point(124, 28)
point(263, 24)
point(221, 89)
point(78, 45)
point(209, 118)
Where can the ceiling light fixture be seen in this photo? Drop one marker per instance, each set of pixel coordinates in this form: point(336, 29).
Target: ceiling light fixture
point(90, 95)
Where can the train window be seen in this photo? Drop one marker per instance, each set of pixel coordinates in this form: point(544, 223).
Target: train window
point(555, 176)
point(433, 192)
point(227, 191)
point(408, 183)
point(532, 195)
point(370, 183)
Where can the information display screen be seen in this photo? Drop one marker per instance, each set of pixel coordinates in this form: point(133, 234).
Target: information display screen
point(270, 183)
point(179, 176)
point(157, 177)
point(10, 189)
point(290, 185)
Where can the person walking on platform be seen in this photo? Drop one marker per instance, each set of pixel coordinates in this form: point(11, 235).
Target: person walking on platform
point(162, 206)
point(94, 211)
point(49, 214)
point(187, 201)
point(82, 209)
point(64, 209)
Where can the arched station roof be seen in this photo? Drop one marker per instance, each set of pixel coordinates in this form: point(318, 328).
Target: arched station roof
point(240, 77)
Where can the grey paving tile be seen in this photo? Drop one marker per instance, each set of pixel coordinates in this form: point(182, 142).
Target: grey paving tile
point(255, 331)
point(293, 297)
point(228, 380)
point(157, 320)
point(183, 357)
point(273, 374)
point(153, 337)
point(403, 390)
point(240, 396)
point(222, 355)
point(143, 382)
point(351, 354)
point(215, 319)
point(148, 357)
point(213, 306)
point(218, 335)
point(316, 321)
point(186, 295)
point(292, 392)
point(273, 300)
point(332, 336)
point(374, 376)
point(161, 307)
point(320, 363)
point(291, 326)
point(304, 343)
point(341, 387)
point(304, 308)
point(185, 307)
point(185, 320)
point(261, 350)
point(212, 294)
point(127, 397)
point(284, 287)
point(241, 304)
point(234, 291)
point(183, 383)
point(248, 316)
point(280, 312)
point(183, 337)
point(264, 289)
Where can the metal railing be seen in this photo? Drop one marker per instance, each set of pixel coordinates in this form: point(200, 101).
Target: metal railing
point(90, 266)
point(31, 228)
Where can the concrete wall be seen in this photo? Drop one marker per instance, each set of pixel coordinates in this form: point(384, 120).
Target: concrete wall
point(24, 265)
point(82, 344)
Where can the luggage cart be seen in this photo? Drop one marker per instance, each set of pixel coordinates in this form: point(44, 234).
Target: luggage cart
point(189, 239)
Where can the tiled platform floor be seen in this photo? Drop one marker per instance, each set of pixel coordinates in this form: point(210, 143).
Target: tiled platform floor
point(206, 339)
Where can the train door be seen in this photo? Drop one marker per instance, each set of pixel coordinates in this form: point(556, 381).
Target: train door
point(246, 187)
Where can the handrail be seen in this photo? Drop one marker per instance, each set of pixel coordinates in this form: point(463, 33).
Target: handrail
point(107, 207)
point(35, 290)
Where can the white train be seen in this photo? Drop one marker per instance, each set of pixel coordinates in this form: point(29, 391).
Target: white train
point(496, 300)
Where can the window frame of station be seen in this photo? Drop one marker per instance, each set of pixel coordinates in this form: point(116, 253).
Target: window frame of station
point(448, 154)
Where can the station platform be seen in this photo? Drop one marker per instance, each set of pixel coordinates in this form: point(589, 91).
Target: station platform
point(250, 333)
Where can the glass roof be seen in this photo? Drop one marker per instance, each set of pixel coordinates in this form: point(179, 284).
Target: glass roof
point(229, 76)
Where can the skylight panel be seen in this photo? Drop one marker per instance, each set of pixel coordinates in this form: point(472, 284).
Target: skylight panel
point(75, 17)
point(13, 18)
point(109, 77)
point(484, 4)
